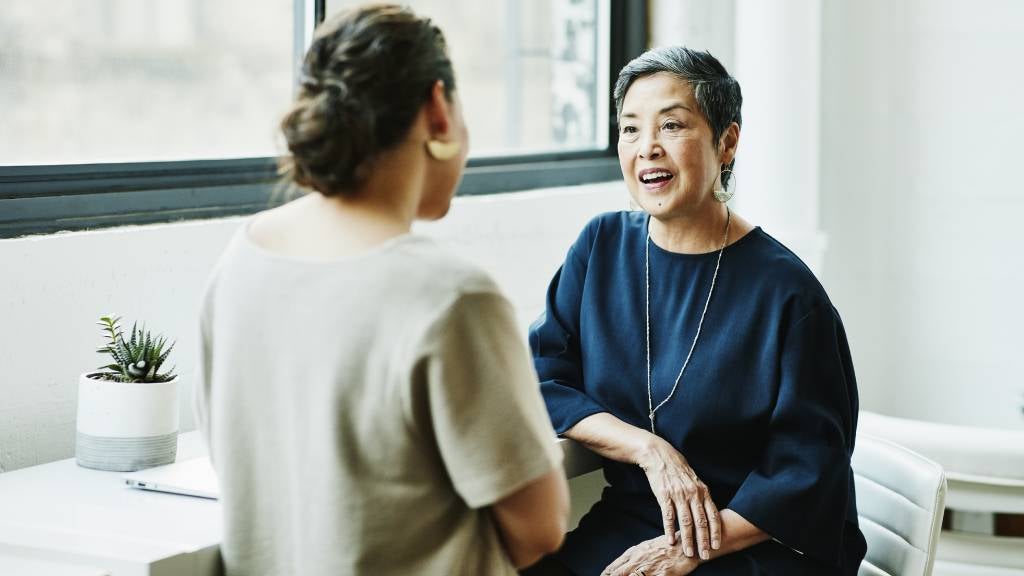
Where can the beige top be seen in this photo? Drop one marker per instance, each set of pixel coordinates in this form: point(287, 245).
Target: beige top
point(362, 413)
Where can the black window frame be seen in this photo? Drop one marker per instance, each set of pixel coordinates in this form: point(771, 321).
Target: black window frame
point(44, 199)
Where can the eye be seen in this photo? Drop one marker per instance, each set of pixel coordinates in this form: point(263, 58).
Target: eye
point(672, 125)
point(629, 129)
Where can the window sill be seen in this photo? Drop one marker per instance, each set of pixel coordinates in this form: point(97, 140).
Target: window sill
point(43, 200)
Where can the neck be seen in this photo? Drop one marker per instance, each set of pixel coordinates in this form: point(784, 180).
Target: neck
point(389, 200)
point(696, 233)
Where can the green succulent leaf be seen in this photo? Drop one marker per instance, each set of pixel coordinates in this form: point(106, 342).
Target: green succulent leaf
point(123, 350)
point(161, 358)
point(137, 358)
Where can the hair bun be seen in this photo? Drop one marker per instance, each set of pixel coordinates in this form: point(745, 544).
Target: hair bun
point(364, 79)
point(322, 160)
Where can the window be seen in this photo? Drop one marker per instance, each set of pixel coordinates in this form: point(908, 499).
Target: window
point(133, 111)
point(529, 72)
point(113, 81)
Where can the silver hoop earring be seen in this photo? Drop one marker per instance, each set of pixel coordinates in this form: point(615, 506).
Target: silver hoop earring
point(723, 194)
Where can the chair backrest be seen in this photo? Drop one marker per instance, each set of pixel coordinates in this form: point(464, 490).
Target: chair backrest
point(901, 497)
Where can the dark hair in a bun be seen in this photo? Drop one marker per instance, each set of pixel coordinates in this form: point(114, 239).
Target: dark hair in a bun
point(364, 78)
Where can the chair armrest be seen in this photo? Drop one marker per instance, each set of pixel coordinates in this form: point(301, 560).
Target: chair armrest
point(578, 460)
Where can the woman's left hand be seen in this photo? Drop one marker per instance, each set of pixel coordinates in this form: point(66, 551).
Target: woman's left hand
point(655, 557)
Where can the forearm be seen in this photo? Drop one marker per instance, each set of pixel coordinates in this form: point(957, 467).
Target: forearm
point(659, 555)
point(737, 534)
point(612, 438)
point(532, 520)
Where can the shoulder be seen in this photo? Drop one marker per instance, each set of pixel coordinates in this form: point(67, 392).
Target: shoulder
point(609, 227)
point(619, 222)
point(437, 274)
point(782, 275)
point(445, 298)
point(234, 247)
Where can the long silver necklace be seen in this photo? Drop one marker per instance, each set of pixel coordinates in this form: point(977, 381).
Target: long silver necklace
point(651, 408)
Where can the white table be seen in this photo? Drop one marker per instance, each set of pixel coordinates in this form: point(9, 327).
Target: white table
point(62, 519)
point(18, 566)
point(65, 516)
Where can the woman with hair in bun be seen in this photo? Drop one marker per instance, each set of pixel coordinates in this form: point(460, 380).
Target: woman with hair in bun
point(353, 374)
point(700, 357)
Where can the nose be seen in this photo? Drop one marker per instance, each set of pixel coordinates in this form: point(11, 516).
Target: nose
point(650, 148)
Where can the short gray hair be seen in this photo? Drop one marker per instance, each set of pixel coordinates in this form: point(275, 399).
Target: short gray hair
point(717, 93)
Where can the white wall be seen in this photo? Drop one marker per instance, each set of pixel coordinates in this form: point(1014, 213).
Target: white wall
point(777, 163)
point(921, 103)
point(701, 24)
point(53, 288)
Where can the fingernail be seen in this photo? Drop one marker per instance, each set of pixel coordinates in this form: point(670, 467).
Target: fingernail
point(688, 551)
point(704, 555)
point(716, 544)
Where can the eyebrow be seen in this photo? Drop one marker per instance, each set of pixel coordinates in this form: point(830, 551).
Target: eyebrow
point(668, 108)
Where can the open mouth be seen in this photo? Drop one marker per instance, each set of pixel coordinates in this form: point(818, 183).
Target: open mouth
point(655, 177)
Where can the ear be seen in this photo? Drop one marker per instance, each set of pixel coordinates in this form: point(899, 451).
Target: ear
point(438, 110)
point(728, 143)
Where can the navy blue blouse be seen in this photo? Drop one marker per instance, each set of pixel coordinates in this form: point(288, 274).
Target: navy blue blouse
point(765, 413)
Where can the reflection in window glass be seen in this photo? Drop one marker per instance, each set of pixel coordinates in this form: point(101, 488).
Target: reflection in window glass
point(532, 74)
point(84, 81)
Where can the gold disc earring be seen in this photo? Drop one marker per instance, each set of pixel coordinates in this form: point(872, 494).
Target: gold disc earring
point(442, 151)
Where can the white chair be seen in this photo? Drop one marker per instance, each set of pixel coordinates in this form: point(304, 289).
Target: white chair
point(985, 471)
point(900, 501)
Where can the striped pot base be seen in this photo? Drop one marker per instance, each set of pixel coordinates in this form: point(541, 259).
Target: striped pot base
point(125, 454)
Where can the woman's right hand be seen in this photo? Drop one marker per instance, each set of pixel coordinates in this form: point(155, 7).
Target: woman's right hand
point(684, 499)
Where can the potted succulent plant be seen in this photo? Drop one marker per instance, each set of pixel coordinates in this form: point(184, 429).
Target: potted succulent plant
point(128, 409)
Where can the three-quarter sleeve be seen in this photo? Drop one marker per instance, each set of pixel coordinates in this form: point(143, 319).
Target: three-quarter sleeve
point(799, 492)
point(482, 402)
point(555, 342)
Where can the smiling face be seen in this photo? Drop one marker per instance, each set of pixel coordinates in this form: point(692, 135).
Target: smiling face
point(665, 148)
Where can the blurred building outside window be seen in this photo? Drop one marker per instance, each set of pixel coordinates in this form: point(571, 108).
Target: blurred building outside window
point(112, 81)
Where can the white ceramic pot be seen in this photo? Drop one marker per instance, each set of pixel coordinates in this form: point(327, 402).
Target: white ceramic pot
point(126, 426)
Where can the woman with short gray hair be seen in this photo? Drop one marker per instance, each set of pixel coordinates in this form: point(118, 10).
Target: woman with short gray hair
point(699, 357)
